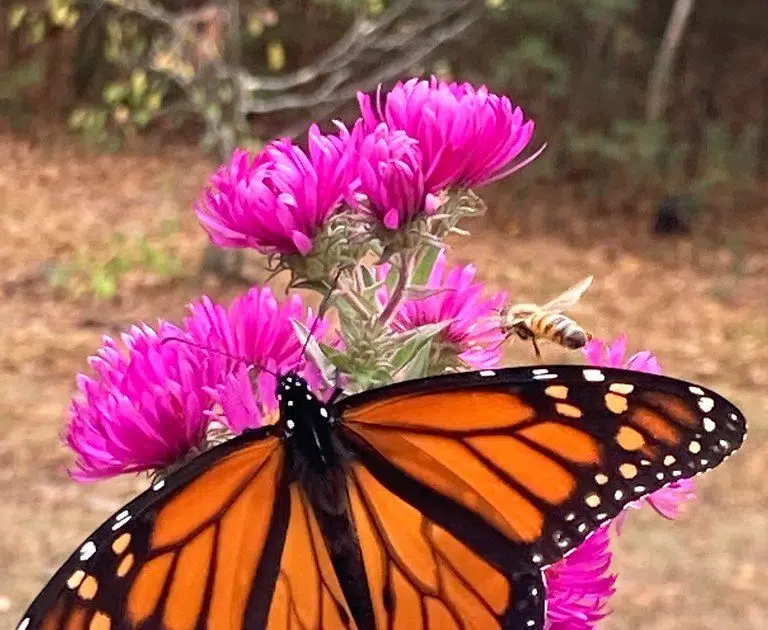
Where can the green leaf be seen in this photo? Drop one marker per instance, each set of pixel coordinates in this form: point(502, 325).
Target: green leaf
point(103, 285)
point(16, 16)
point(138, 84)
point(413, 341)
point(424, 268)
point(275, 55)
point(115, 92)
point(418, 366)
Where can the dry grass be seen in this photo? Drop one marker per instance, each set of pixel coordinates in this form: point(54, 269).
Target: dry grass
point(705, 320)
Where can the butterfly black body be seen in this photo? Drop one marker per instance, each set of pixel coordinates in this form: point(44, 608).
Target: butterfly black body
point(427, 505)
point(317, 462)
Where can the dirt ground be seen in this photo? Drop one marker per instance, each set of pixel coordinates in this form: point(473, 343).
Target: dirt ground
point(697, 302)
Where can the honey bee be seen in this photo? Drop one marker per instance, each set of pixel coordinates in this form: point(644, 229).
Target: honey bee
point(531, 321)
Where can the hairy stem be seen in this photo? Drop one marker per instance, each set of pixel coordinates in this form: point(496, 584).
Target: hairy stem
point(404, 278)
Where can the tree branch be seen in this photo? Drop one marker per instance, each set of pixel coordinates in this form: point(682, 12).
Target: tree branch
point(658, 83)
point(338, 87)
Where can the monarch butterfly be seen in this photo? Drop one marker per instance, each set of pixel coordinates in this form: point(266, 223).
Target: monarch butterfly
point(429, 504)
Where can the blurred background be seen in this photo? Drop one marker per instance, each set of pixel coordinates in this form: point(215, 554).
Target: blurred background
point(113, 113)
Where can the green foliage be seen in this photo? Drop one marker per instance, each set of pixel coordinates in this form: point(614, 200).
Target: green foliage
point(99, 273)
point(531, 58)
point(128, 106)
point(731, 156)
point(16, 80)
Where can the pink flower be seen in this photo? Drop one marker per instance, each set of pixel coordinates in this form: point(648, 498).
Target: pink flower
point(146, 408)
point(468, 137)
point(579, 586)
point(603, 354)
point(257, 330)
point(669, 500)
point(472, 334)
point(391, 179)
point(279, 202)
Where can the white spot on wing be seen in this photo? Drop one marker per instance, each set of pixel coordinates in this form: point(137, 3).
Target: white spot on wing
point(594, 376)
point(121, 519)
point(696, 390)
point(487, 373)
point(706, 404)
point(87, 550)
point(540, 370)
point(159, 485)
point(544, 376)
point(24, 624)
point(290, 424)
point(323, 412)
point(289, 403)
point(709, 424)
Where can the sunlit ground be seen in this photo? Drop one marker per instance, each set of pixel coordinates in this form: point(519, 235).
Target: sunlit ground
point(699, 304)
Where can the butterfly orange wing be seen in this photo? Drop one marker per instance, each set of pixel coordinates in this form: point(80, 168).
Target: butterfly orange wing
point(421, 577)
point(227, 542)
point(544, 456)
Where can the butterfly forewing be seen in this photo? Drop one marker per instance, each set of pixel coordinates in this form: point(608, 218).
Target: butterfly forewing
point(543, 455)
point(183, 554)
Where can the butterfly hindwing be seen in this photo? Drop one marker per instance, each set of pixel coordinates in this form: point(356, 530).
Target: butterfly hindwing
point(544, 456)
point(421, 577)
point(307, 594)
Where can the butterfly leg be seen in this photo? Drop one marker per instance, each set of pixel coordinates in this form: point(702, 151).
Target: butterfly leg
point(527, 611)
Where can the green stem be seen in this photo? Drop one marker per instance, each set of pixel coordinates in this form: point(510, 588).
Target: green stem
point(404, 278)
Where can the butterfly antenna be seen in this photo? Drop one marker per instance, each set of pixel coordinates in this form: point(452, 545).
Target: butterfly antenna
point(321, 310)
point(223, 353)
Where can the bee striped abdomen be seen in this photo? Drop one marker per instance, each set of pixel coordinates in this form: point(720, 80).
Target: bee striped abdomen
point(558, 328)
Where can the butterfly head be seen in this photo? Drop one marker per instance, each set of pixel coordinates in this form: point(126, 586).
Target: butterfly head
point(305, 420)
point(293, 394)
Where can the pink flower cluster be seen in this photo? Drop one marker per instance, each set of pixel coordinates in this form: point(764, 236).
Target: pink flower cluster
point(278, 202)
point(421, 138)
point(150, 403)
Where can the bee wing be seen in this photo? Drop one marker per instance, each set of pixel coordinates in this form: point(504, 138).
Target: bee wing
point(517, 313)
point(569, 297)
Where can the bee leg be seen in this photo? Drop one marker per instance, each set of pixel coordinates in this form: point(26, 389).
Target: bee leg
point(536, 350)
